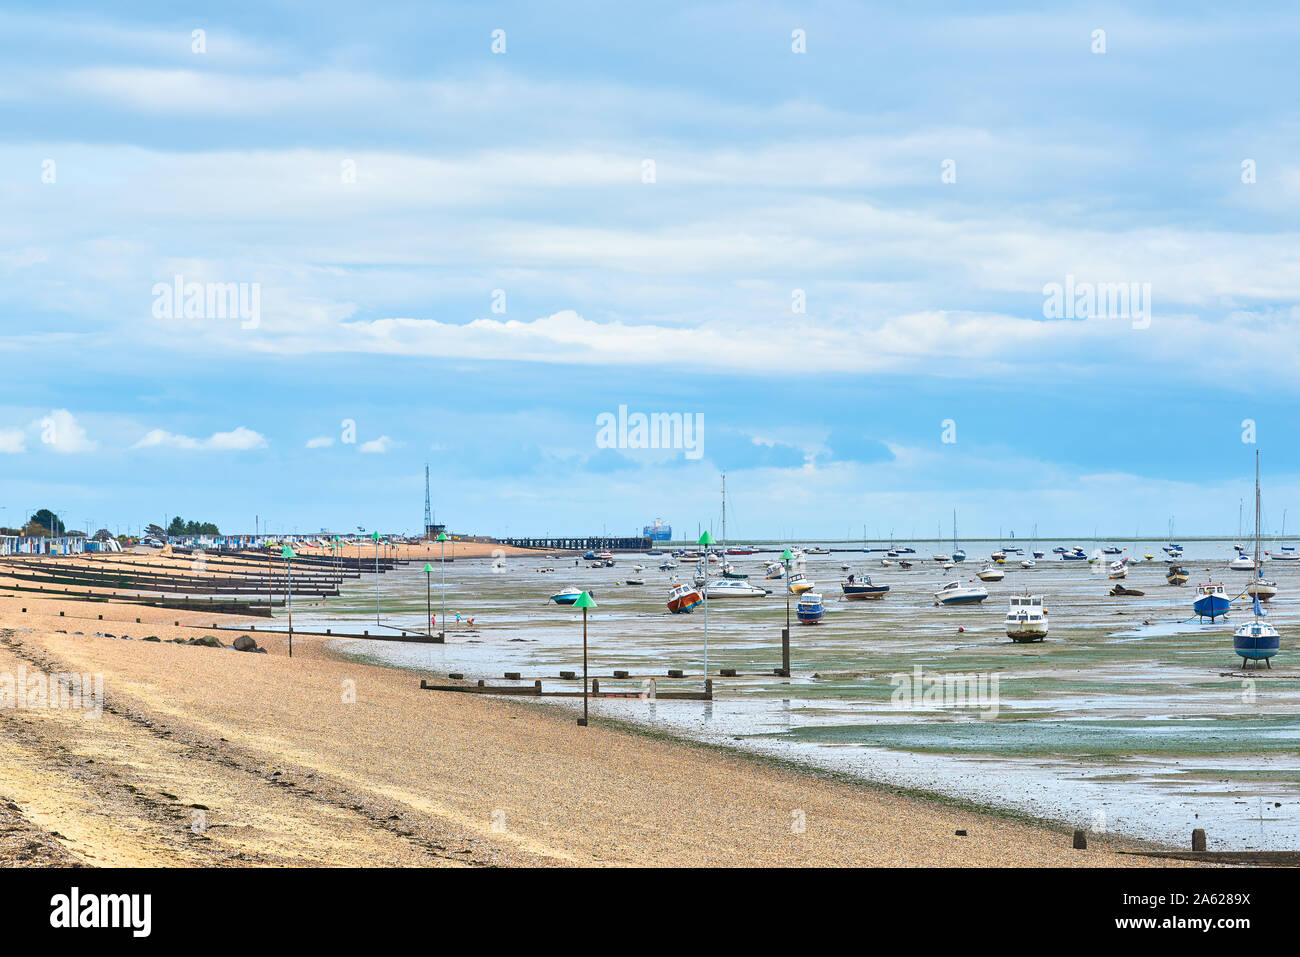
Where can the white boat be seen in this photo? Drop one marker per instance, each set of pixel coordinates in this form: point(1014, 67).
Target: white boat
point(732, 588)
point(940, 558)
point(1283, 556)
point(1118, 570)
point(775, 570)
point(990, 573)
point(1027, 563)
point(1262, 588)
point(957, 593)
point(1242, 563)
point(1026, 618)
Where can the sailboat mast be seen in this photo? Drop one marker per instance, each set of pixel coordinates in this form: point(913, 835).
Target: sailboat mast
point(724, 510)
point(1257, 514)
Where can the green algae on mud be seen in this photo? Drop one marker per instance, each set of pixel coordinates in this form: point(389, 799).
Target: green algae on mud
point(1080, 740)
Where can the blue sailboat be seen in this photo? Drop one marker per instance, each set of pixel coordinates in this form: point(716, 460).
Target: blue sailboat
point(1256, 640)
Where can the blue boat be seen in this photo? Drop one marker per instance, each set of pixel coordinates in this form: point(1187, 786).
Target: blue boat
point(1211, 601)
point(810, 609)
point(1256, 640)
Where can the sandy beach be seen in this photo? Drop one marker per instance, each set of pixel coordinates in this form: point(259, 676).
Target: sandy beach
point(212, 757)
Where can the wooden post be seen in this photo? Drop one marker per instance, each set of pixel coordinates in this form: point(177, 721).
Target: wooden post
point(1198, 839)
point(582, 722)
point(288, 580)
point(1080, 840)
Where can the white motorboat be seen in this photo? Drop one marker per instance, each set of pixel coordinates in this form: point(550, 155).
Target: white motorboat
point(1118, 570)
point(1242, 563)
point(1026, 618)
point(732, 588)
point(957, 593)
point(990, 573)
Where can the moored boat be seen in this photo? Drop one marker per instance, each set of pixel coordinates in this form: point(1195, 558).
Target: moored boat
point(1177, 575)
point(1262, 588)
point(1026, 618)
point(991, 573)
point(1257, 640)
point(860, 588)
point(731, 588)
point(566, 597)
point(810, 609)
point(956, 593)
point(683, 598)
point(1211, 601)
point(798, 584)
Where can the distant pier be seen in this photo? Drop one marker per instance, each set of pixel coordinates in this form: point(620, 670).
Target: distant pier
point(642, 543)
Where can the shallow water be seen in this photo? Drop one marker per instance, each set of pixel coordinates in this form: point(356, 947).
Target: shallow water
point(1132, 716)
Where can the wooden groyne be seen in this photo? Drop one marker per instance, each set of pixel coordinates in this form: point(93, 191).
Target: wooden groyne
point(534, 690)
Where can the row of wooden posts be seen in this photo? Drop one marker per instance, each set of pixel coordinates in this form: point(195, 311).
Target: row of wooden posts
point(585, 601)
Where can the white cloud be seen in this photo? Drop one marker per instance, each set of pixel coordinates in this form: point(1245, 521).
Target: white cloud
point(320, 442)
point(60, 432)
point(12, 441)
point(240, 439)
point(381, 444)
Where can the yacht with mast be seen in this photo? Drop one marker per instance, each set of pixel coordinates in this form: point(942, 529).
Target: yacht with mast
point(1256, 640)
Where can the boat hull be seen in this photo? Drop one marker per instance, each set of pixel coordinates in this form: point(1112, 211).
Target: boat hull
point(963, 600)
point(864, 592)
point(1025, 632)
point(1256, 647)
point(685, 604)
point(1208, 606)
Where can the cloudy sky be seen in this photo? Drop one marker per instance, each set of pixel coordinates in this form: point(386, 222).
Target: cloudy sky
point(465, 245)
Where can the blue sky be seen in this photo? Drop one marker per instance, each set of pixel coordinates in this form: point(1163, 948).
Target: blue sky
point(457, 251)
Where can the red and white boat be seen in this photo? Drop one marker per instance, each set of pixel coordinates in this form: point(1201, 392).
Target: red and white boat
point(683, 598)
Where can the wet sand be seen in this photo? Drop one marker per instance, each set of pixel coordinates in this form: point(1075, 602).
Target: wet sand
point(211, 757)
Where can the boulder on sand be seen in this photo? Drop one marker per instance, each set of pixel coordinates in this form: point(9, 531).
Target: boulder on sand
point(245, 643)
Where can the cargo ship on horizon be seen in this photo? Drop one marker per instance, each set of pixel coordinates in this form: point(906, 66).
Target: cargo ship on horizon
point(659, 531)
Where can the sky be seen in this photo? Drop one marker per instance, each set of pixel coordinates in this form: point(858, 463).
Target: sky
point(463, 233)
